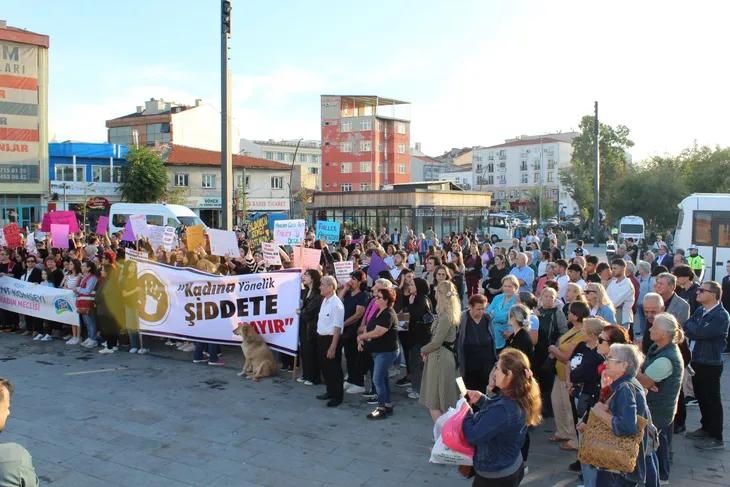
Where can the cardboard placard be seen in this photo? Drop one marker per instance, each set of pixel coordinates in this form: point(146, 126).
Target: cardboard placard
point(223, 243)
point(12, 236)
point(139, 225)
point(160, 237)
point(309, 260)
point(376, 266)
point(136, 254)
point(196, 238)
point(258, 231)
point(343, 270)
point(289, 232)
point(59, 235)
point(128, 233)
point(328, 230)
point(271, 253)
point(61, 218)
point(102, 225)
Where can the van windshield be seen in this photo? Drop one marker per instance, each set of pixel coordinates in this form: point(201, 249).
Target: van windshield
point(632, 228)
point(190, 221)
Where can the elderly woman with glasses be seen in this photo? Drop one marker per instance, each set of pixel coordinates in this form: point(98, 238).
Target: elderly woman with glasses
point(599, 302)
point(621, 402)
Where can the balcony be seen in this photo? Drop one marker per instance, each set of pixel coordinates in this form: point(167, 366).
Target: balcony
point(502, 157)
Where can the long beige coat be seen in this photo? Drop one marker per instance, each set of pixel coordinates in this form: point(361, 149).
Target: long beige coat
point(438, 385)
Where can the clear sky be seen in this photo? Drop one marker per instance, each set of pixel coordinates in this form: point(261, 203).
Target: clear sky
point(476, 71)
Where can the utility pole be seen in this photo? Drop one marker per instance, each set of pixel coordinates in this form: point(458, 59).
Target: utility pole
point(539, 204)
point(291, 173)
point(226, 154)
point(597, 180)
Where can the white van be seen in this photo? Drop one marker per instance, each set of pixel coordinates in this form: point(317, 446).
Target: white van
point(631, 227)
point(499, 227)
point(157, 214)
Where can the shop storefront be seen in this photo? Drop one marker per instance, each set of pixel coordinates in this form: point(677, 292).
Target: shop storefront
point(440, 205)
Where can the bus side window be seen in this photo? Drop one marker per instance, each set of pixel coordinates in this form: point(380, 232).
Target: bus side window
point(172, 222)
point(119, 220)
point(158, 220)
point(702, 228)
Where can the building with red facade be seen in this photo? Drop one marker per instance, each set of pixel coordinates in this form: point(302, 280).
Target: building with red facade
point(365, 142)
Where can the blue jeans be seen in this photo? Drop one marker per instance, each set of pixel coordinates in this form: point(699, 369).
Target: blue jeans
point(665, 448)
point(90, 321)
point(212, 351)
point(652, 470)
point(604, 478)
point(382, 362)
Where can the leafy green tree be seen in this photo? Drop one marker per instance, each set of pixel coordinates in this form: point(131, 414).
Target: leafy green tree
point(705, 169)
point(177, 196)
point(144, 178)
point(612, 146)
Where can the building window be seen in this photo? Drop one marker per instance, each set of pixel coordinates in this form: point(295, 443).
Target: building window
point(346, 126)
point(209, 180)
point(277, 182)
point(551, 164)
point(503, 154)
point(365, 186)
point(478, 158)
point(401, 168)
point(523, 166)
point(280, 156)
point(157, 132)
point(334, 185)
point(240, 181)
point(380, 167)
point(66, 173)
point(366, 124)
point(346, 168)
point(490, 167)
point(314, 158)
point(366, 146)
point(490, 157)
point(103, 174)
point(347, 187)
point(401, 148)
point(536, 165)
point(490, 179)
point(550, 177)
point(290, 157)
point(302, 157)
point(270, 156)
point(326, 185)
point(479, 167)
point(181, 180)
point(380, 147)
point(400, 128)
point(502, 179)
point(120, 135)
point(366, 166)
point(345, 146)
point(524, 179)
point(537, 177)
point(313, 170)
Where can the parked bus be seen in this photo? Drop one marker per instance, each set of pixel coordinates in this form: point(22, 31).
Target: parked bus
point(704, 220)
point(499, 227)
point(631, 227)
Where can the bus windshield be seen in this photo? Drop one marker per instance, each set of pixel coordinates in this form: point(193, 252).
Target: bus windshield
point(632, 228)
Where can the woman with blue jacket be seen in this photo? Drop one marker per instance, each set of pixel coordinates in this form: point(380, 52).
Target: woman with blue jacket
point(497, 431)
point(499, 310)
point(599, 302)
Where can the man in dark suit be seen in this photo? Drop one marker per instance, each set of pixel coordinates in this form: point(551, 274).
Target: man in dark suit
point(664, 258)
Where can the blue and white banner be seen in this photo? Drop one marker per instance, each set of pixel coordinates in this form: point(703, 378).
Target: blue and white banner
point(48, 303)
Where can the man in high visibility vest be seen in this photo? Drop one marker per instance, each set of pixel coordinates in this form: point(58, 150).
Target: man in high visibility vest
point(696, 261)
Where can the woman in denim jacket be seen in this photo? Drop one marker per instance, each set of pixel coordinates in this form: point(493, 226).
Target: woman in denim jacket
point(497, 431)
point(627, 401)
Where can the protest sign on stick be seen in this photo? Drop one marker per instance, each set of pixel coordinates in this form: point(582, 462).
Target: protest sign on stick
point(59, 235)
point(258, 231)
point(289, 232)
point(328, 230)
point(102, 225)
point(195, 237)
point(343, 270)
point(223, 243)
point(271, 253)
point(307, 259)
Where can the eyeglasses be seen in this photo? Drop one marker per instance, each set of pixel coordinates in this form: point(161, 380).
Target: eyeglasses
point(702, 290)
point(602, 340)
point(589, 291)
point(613, 359)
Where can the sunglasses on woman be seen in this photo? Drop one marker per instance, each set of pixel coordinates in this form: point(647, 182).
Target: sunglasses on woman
point(602, 340)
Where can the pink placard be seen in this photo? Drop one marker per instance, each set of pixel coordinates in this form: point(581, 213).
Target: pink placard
point(102, 225)
point(59, 235)
point(310, 258)
point(60, 218)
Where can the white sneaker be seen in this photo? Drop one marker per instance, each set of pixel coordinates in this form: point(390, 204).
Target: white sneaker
point(409, 390)
point(300, 380)
point(133, 350)
point(346, 385)
point(38, 337)
point(355, 389)
point(308, 383)
point(413, 395)
point(180, 345)
point(169, 343)
point(83, 344)
point(91, 344)
point(142, 351)
point(103, 344)
point(47, 338)
point(393, 373)
point(116, 349)
point(105, 351)
point(527, 469)
point(188, 348)
point(73, 341)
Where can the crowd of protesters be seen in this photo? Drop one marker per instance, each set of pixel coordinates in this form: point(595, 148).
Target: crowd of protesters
point(533, 332)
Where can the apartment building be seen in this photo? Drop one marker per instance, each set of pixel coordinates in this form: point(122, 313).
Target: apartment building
point(308, 155)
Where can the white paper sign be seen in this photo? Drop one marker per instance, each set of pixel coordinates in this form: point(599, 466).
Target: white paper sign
point(135, 254)
point(343, 270)
point(30, 244)
point(139, 225)
point(271, 253)
point(289, 232)
point(160, 236)
point(223, 243)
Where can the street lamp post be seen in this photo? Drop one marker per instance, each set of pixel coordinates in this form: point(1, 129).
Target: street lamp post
point(291, 172)
point(226, 155)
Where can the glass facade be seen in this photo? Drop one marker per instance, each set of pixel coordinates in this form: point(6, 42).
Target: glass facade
point(443, 220)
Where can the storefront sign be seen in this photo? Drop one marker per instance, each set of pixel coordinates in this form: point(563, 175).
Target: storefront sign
point(97, 203)
point(79, 188)
point(268, 204)
point(205, 202)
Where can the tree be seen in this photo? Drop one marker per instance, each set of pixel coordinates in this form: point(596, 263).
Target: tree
point(706, 170)
point(612, 146)
point(548, 206)
point(177, 196)
point(144, 177)
point(301, 198)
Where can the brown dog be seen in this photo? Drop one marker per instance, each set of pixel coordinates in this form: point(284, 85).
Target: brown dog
point(259, 361)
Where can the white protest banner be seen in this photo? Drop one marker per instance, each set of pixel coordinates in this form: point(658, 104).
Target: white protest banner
point(30, 244)
point(160, 237)
point(271, 253)
point(186, 304)
point(139, 225)
point(328, 230)
point(223, 243)
point(136, 254)
point(2, 238)
point(43, 302)
point(343, 270)
point(289, 232)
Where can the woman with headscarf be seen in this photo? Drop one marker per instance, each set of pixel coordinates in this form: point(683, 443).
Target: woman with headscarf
point(419, 305)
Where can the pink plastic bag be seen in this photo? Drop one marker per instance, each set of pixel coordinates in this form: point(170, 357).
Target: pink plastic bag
point(452, 434)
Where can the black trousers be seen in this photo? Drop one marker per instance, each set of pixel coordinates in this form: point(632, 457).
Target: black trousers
point(355, 371)
point(310, 362)
point(706, 382)
point(681, 417)
point(545, 379)
point(331, 368)
point(512, 480)
point(405, 341)
point(476, 380)
point(526, 447)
